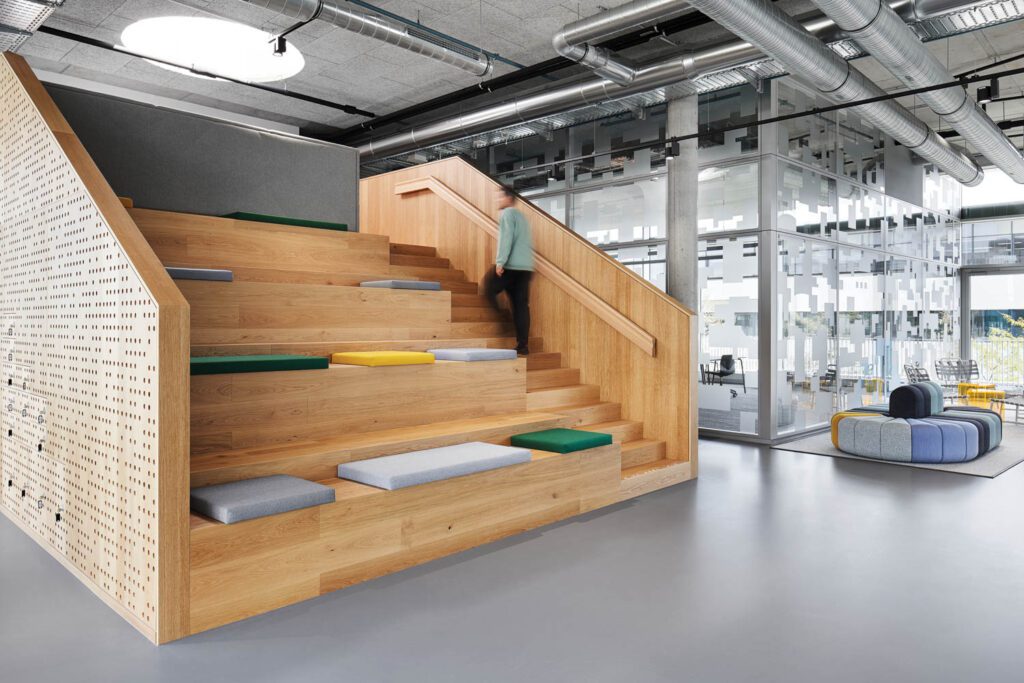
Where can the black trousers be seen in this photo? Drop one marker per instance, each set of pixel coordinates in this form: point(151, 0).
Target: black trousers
point(516, 285)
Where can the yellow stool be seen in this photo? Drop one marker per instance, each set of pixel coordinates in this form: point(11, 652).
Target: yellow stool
point(983, 398)
point(964, 387)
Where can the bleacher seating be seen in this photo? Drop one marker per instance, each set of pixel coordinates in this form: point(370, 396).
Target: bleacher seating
point(434, 464)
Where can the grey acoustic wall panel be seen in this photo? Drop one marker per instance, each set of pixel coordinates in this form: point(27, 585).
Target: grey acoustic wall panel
point(177, 161)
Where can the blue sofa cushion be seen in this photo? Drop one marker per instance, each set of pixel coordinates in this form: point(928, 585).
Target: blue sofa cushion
point(238, 501)
point(402, 284)
point(433, 464)
point(473, 354)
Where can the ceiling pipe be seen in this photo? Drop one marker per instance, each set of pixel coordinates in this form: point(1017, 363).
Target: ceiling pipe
point(574, 40)
point(729, 55)
point(783, 39)
point(881, 32)
point(343, 15)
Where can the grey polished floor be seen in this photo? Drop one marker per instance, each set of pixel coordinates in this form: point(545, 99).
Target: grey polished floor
point(774, 566)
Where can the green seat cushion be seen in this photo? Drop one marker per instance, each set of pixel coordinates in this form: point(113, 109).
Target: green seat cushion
point(561, 440)
point(219, 365)
point(284, 220)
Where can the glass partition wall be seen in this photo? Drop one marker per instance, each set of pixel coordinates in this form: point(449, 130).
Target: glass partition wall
point(819, 280)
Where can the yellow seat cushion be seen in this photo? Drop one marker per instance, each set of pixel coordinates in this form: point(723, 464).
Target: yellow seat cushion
point(380, 358)
point(837, 418)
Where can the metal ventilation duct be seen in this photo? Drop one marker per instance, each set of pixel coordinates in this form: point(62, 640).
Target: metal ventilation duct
point(20, 18)
point(573, 40)
point(780, 37)
point(738, 63)
point(878, 29)
point(342, 15)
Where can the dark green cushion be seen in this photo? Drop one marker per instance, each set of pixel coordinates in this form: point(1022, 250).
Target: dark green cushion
point(561, 440)
point(219, 365)
point(282, 220)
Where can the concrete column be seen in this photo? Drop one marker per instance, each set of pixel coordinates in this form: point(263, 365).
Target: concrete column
point(681, 215)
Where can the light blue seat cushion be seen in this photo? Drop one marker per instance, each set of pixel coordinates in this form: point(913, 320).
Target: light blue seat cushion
point(926, 437)
point(433, 464)
point(954, 440)
point(995, 423)
point(402, 284)
point(238, 501)
point(471, 355)
point(930, 440)
point(882, 438)
point(214, 274)
point(934, 389)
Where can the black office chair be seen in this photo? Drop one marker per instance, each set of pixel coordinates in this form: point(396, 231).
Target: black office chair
point(724, 370)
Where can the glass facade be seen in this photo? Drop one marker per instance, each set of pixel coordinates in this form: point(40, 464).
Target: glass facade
point(804, 252)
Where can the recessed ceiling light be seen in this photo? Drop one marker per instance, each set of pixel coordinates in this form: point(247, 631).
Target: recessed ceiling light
point(215, 46)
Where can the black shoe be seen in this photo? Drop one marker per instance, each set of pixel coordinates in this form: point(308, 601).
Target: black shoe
point(523, 351)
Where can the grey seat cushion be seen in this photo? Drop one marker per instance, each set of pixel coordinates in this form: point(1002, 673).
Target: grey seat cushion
point(473, 354)
point(214, 274)
point(402, 284)
point(433, 464)
point(238, 501)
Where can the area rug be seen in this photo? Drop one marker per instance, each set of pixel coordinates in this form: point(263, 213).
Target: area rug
point(1010, 453)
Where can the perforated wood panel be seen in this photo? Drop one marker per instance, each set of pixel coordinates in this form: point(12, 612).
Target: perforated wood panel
point(79, 447)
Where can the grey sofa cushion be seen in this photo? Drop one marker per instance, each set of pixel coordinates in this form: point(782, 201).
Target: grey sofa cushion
point(214, 274)
point(473, 354)
point(434, 464)
point(238, 501)
point(402, 284)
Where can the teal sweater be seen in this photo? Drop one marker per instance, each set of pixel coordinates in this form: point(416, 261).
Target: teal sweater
point(515, 246)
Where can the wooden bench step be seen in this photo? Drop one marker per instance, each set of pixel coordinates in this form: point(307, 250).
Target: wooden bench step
point(642, 479)
point(416, 260)
point(547, 379)
point(641, 452)
point(262, 409)
point(413, 249)
point(428, 273)
point(470, 300)
point(326, 348)
point(543, 399)
point(458, 287)
point(621, 430)
point(316, 460)
point(539, 360)
point(591, 413)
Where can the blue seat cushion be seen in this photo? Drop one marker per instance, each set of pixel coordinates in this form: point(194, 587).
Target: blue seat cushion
point(473, 354)
point(433, 464)
point(934, 392)
point(991, 420)
point(213, 274)
point(402, 284)
point(238, 501)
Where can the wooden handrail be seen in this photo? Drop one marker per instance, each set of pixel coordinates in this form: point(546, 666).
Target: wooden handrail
point(599, 307)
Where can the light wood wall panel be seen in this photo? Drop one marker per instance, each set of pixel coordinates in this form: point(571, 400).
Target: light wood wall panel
point(659, 390)
point(93, 452)
point(260, 408)
point(264, 252)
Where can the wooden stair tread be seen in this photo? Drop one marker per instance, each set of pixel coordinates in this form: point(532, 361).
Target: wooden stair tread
point(318, 458)
point(655, 466)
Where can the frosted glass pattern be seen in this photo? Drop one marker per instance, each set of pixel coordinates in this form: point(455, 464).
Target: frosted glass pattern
point(728, 198)
point(807, 201)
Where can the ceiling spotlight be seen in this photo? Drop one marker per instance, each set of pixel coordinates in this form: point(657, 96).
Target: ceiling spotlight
point(989, 93)
point(280, 46)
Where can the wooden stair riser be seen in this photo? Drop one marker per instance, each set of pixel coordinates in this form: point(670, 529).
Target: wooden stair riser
point(620, 430)
point(428, 273)
point(253, 409)
point(591, 413)
point(465, 314)
point(418, 261)
point(412, 249)
point(642, 452)
point(544, 399)
point(540, 360)
point(320, 460)
point(636, 481)
point(470, 300)
point(548, 379)
point(484, 329)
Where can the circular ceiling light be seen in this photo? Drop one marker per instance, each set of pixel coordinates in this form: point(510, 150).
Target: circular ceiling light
point(216, 46)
